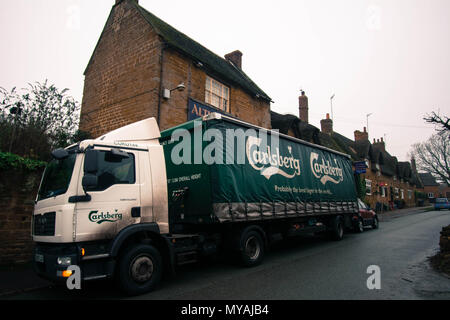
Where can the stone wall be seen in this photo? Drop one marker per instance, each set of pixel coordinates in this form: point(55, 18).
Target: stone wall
point(17, 194)
point(441, 261)
point(123, 76)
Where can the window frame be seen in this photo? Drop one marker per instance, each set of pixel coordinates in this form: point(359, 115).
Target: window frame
point(210, 93)
point(133, 157)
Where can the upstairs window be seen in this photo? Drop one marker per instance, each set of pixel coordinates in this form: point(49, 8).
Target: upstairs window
point(217, 94)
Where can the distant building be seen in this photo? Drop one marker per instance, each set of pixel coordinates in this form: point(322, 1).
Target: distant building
point(432, 188)
point(389, 183)
point(140, 60)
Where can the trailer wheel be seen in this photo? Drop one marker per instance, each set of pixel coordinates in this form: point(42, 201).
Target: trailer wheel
point(337, 229)
point(139, 269)
point(251, 248)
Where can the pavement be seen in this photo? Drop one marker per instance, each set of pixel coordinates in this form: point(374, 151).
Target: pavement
point(21, 278)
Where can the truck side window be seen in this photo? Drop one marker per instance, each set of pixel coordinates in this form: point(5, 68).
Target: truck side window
point(114, 170)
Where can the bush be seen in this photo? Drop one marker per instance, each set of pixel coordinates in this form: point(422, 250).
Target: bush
point(13, 161)
point(37, 120)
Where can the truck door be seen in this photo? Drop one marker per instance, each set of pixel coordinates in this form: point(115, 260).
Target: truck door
point(114, 200)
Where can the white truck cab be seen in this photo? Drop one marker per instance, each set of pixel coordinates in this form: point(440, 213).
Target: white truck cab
point(92, 191)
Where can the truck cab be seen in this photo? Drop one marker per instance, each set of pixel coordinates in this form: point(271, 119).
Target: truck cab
point(94, 191)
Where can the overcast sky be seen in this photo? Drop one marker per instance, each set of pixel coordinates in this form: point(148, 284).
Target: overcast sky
point(389, 58)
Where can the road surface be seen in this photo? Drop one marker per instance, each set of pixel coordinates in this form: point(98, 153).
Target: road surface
point(309, 268)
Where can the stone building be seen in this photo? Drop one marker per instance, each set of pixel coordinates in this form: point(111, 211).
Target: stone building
point(142, 67)
point(389, 183)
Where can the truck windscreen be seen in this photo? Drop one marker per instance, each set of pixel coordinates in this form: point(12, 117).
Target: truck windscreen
point(57, 177)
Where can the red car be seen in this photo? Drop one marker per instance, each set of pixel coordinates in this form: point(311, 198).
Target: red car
point(365, 218)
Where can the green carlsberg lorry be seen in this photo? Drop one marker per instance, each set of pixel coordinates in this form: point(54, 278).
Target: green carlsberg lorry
point(135, 202)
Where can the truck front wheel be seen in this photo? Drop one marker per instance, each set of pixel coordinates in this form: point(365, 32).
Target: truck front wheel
point(251, 248)
point(139, 269)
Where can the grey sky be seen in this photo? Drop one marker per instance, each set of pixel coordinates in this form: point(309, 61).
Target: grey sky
point(389, 58)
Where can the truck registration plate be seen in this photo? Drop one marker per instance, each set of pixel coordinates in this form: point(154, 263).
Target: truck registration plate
point(39, 257)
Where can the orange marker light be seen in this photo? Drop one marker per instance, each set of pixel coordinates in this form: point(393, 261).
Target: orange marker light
point(82, 252)
point(66, 273)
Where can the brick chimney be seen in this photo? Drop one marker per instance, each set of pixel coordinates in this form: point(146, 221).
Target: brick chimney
point(235, 57)
point(327, 125)
point(303, 107)
point(380, 143)
point(361, 136)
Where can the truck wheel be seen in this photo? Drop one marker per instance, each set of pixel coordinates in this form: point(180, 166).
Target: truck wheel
point(139, 269)
point(251, 248)
point(337, 229)
point(375, 223)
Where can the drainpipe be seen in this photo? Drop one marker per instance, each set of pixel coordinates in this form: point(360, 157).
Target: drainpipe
point(163, 47)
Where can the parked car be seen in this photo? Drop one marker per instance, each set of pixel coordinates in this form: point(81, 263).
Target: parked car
point(441, 203)
point(366, 217)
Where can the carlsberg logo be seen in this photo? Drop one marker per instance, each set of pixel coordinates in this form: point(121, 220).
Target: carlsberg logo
point(271, 163)
point(325, 171)
point(99, 218)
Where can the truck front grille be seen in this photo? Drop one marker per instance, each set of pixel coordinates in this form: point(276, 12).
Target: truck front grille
point(44, 224)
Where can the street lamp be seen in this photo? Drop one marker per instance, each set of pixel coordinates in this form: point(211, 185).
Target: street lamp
point(331, 102)
point(367, 121)
point(167, 92)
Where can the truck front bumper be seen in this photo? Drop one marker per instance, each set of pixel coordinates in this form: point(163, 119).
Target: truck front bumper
point(45, 260)
point(46, 265)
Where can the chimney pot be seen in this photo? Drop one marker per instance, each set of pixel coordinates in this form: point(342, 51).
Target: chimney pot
point(303, 107)
point(328, 116)
point(361, 136)
point(365, 130)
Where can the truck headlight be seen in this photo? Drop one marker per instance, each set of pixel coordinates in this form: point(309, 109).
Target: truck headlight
point(64, 261)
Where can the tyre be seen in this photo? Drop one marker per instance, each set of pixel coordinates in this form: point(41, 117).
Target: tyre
point(359, 226)
point(337, 229)
point(375, 223)
point(251, 248)
point(139, 269)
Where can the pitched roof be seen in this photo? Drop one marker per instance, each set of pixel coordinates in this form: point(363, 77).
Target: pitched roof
point(387, 163)
point(428, 180)
point(218, 65)
point(301, 129)
point(363, 149)
point(211, 61)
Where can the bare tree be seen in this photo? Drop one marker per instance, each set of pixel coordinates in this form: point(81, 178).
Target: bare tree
point(442, 121)
point(433, 156)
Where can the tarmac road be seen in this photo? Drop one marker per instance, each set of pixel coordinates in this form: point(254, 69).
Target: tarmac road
point(309, 268)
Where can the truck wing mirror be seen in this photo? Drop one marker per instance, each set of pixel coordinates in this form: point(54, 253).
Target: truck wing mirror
point(89, 182)
point(60, 154)
point(90, 161)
